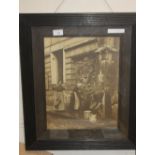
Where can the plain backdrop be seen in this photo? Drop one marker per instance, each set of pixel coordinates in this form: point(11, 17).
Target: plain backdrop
point(49, 6)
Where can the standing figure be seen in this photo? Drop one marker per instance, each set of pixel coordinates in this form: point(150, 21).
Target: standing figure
point(59, 97)
point(108, 69)
point(106, 78)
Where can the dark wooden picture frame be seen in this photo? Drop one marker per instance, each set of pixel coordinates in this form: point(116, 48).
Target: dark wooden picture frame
point(32, 70)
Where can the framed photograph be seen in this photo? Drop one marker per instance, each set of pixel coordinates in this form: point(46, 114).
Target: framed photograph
point(78, 80)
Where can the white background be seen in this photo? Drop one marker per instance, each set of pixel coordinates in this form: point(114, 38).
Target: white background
point(9, 66)
point(44, 6)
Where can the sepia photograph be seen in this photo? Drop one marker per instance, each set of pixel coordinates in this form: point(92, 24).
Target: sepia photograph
point(81, 81)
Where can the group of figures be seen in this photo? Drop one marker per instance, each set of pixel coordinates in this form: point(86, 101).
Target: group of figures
point(96, 87)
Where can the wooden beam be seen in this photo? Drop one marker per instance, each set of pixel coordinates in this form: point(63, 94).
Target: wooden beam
point(66, 44)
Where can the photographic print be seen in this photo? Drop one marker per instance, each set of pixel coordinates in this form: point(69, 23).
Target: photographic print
point(81, 82)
